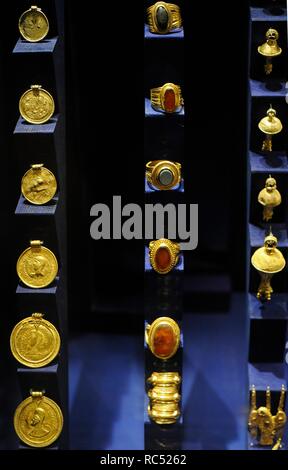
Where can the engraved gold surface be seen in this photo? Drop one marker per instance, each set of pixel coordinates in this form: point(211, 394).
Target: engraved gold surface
point(33, 24)
point(37, 266)
point(35, 342)
point(38, 420)
point(38, 185)
point(36, 105)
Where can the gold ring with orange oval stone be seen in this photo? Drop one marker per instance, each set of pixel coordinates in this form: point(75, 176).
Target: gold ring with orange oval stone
point(163, 337)
point(164, 255)
point(167, 98)
point(163, 174)
point(163, 17)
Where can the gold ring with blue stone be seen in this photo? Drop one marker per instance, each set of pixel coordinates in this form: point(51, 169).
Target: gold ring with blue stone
point(163, 174)
point(164, 17)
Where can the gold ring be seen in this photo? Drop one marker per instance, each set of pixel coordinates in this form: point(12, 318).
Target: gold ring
point(163, 337)
point(164, 255)
point(164, 397)
point(163, 174)
point(167, 98)
point(164, 17)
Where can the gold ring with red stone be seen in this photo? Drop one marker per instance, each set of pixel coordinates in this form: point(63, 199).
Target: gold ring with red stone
point(167, 98)
point(163, 337)
point(164, 17)
point(163, 174)
point(164, 255)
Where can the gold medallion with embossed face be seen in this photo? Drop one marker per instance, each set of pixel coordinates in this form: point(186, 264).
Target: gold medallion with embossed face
point(36, 105)
point(37, 266)
point(38, 420)
point(35, 342)
point(38, 185)
point(33, 24)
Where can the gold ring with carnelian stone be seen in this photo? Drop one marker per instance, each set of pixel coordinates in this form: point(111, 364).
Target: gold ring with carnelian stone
point(167, 98)
point(164, 17)
point(163, 174)
point(163, 337)
point(164, 255)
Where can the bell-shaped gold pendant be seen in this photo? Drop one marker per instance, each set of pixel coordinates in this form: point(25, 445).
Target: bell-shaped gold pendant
point(269, 197)
point(270, 49)
point(268, 260)
point(270, 125)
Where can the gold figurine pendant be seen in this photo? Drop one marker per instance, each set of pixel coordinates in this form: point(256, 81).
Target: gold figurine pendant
point(164, 397)
point(36, 105)
point(268, 260)
point(163, 337)
point(38, 420)
point(266, 429)
point(33, 25)
point(269, 125)
point(38, 185)
point(164, 255)
point(270, 49)
point(35, 342)
point(269, 197)
point(37, 266)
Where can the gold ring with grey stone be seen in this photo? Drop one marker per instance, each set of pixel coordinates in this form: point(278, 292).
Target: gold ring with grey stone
point(163, 18)
point(167, 98)
point(163, 174)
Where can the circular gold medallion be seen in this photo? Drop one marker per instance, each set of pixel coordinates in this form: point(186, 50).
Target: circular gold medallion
point(38, 185)
point(37, 266)
point(38, 420)
point(35, 342)
point(36, 105)
point(163, 337)
point(33, 24)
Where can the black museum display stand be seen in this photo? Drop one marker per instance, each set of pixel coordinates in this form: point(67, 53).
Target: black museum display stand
point(164, 140)
point(268, 332)
point(43, 63)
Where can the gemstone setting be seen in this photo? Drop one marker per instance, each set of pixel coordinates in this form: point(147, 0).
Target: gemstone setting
point(163, 337)
point(162, 18)
point(166, 177)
